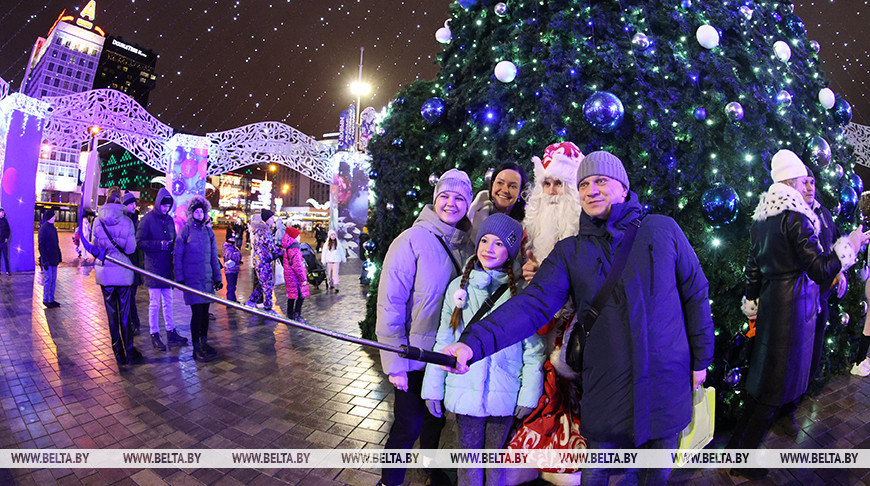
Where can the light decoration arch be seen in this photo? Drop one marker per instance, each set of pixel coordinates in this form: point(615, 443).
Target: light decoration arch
point(859, 137)
point(269, 142)
point(120, 118)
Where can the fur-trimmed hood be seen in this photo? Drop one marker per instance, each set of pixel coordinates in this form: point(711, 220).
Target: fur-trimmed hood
point(198, 202)
point(780, 198)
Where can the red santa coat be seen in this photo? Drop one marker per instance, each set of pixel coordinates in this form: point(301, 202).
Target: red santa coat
point(295, 274)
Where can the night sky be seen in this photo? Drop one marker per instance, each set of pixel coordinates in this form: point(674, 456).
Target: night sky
point(224, 64)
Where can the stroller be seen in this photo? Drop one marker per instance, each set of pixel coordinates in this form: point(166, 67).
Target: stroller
point(316, 272)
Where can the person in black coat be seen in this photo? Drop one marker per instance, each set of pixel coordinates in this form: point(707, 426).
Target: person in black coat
point(319, 236)
point(129, 201)
point(785, 267)
point(155, 236)
point(49, 257)
point(5, 234)
point(827, 235)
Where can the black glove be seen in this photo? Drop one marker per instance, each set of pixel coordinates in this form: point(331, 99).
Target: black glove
point(218, 285)
point(167, 245)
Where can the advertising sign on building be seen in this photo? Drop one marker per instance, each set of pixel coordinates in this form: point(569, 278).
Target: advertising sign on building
point(262, 191)
point(231, 191)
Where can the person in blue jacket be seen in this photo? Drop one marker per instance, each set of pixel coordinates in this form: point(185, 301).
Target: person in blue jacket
point(653, 340)
point(197, 266)
point(498, 387)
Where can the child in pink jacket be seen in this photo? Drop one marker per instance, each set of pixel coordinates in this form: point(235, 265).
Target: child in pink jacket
point(295, 274)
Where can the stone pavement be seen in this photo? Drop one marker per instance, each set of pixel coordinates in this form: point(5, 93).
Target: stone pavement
point(274, 387)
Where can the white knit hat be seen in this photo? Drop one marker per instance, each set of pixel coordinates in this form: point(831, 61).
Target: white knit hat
point(454, 180)
point(786, 165)
point(560, 161)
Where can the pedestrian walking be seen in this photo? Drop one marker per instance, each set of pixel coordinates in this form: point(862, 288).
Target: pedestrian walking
point(49, 257)
point(5, 235)
point(333, 255)
point(264, 250)
point(232, 265)
point(295, 275)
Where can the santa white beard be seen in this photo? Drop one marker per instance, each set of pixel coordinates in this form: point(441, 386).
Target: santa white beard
point(550, 219)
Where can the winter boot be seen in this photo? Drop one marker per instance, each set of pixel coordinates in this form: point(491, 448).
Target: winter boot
point(206, 349)
point(199, 355)
point(157, 342)
point(175, 339)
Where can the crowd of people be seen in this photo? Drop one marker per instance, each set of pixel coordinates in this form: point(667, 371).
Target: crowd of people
point(562, 278)
point(187, 254)
point(614, 300)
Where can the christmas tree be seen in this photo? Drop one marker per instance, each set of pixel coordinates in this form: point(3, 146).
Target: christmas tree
point(694, 96)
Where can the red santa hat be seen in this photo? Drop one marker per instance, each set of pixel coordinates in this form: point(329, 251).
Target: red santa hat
point(560, 161)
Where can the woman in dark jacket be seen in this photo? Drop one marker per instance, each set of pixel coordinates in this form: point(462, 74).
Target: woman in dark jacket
point(5, 234)
point(785, 267)
point(197, 266)
point(49, 257)
point(155, 237)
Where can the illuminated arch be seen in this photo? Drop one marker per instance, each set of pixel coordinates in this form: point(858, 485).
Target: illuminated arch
point(269, 142)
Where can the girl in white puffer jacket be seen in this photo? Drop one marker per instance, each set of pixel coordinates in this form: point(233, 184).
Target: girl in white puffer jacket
point(333, 254)
point(498, 387)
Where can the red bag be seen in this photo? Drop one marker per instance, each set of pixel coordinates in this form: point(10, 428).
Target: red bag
point(552, 425)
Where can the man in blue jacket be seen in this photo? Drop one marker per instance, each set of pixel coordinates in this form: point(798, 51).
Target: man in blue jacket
point(653, 340)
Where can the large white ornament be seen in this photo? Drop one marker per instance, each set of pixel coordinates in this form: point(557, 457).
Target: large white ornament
point(782, 51)
point(827, 98)
point(707, 36)
point(443, 35)
point(505, 71)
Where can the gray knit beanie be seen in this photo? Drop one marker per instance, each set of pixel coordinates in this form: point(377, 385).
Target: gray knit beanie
point(454, 180)
point(509, 231)
point(603, 163)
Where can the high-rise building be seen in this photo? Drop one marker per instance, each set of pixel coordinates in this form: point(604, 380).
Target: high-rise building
point(63, 62)
point(127, 68)
point(76, 56)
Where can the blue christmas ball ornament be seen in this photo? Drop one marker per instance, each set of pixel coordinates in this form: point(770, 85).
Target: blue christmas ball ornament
point(794, 25)
point(432, 109)
point(604, 111)
point(412, 194)
point(369, 245)
point(842, 111)
point(817, 151)
point(373, 175)
point(856, 182)
point(733, 377)
point(783, 98)
point(720, 204)
point(467, 4)
point(848, 201)
point(687, 4)
point(700, 113)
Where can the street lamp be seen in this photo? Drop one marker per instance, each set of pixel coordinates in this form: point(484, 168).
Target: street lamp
point(359, 88)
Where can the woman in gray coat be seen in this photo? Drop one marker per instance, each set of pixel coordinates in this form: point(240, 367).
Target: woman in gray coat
point(197, 266)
